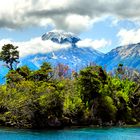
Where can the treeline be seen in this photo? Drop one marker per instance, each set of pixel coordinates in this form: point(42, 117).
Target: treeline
point(54, 97)
point(58, 97)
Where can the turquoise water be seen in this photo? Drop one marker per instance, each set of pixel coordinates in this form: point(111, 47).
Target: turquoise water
point(77, 134)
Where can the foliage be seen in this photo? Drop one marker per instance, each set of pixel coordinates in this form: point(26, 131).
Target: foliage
point(90, 81)
point(43, 74)
point(9, 55)
point(45, 98)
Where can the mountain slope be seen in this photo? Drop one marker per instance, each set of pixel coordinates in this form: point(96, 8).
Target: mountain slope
point(73, 56)
point(128, 55)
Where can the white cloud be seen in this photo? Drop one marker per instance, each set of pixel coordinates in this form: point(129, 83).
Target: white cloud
point(73, 15)
point(96, 44)
point(77, 22)
point(37, 45)
point(34, 46)
point(128, 36)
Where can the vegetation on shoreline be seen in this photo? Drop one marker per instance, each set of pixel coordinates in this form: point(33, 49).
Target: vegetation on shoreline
point(57, 97)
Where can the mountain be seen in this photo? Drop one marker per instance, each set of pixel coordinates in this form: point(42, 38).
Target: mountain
point(73, 56)
point(128, 55)
point(61, 37)
point(78, 57)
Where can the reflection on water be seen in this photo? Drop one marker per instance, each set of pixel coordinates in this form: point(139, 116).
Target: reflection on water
point(77, 134)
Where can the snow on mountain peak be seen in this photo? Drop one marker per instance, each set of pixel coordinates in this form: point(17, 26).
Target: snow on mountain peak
point(61, 37)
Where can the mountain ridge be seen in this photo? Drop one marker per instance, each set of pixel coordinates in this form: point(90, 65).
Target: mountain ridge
point(78, 57)
point(128, 55)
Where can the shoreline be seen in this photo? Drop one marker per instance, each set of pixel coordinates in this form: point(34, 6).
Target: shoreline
point(73, 127)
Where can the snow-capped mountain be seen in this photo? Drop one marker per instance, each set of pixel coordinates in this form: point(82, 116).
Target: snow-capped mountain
point(128, 55)
point(73, 56)
point(78, 57)
point(61, 37)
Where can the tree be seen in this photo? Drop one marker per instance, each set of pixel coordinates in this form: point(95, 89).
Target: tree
point(90, 80)
point(62, 71)
point(45, 73)
point(120, 71)
point(13, 76)
point(9, 55)
point(24, 71)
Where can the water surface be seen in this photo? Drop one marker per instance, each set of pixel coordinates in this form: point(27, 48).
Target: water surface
point(74, 134)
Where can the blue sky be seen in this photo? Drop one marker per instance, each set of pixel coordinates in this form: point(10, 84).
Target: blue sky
point(101, 24)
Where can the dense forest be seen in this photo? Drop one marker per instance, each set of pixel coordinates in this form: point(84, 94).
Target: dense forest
point(55, 97)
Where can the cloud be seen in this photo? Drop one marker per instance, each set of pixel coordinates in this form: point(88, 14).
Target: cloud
point(74, 23)
point(72, 15)
point(128, 36)
point(37, 45)
point(95, 44)
point(34, 46)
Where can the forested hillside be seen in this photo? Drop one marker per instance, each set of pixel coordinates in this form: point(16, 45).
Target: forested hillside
point(57, 97)
point(54, 98)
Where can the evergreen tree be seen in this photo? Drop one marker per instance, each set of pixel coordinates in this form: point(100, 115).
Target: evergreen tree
point(9, 55)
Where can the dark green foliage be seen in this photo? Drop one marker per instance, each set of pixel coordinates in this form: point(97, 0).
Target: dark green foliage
point(91, 80)
point(24, 71)
point(47, 98)
point(9, 55)
point(43, 74)
point(108, 98)
point(14, 76)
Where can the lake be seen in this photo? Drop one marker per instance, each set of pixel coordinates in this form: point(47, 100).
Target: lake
point(73, 134)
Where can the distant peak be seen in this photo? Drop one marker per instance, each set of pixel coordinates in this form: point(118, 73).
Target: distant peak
point(61, 32)
point(61, 37)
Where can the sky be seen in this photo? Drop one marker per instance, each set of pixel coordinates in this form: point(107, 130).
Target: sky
point(101, 24)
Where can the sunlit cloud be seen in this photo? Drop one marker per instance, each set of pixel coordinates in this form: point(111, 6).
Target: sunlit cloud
point(128, 36)
point(95, 44)
point(35, 46)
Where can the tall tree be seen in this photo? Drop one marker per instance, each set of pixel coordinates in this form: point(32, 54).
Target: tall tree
point(90, 81)
point(9, 55)
point(45, 73)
